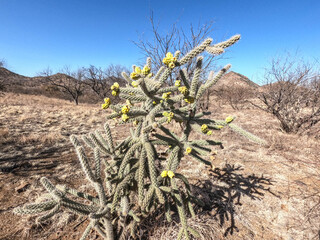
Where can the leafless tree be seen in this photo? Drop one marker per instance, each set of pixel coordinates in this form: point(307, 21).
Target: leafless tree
point(100, 80)
point(234, 95)
point(2, 63)
point(292, 94)
point(173, 40)
point(70, 82)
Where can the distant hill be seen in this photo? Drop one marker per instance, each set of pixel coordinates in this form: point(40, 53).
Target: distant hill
point(11, 77)
point(236, 79)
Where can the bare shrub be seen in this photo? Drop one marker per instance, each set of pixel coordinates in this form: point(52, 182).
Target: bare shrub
point(291, 94)
point(70, 82)
point(99, 81)
point(235, 96)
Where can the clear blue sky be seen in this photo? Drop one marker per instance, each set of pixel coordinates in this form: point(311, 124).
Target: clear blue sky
point(35, 34)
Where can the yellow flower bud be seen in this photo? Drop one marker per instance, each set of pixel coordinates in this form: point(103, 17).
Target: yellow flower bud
point(177, 83)
point(229, 119)
point(171, 65)
point(164, 174)
point(204, 128)
point(146, 70)
point(116, 85)
point(170, 174)
point(137, 70)
point(106, 103)
point(125, 109)
point(166, 61)
point(183, 90)
point(209, 133)
point(134, 83)
point(114, 93)
point(154, 102)
point(124, 117)
point(166, 95)
point(188, 150)
point(134, 76)
point(169, 55)
point(104, 106)
point(165, 114)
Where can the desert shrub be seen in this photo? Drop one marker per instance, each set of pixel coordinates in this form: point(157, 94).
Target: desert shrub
point(137, 182)
point(291, 94)
point(236, 96)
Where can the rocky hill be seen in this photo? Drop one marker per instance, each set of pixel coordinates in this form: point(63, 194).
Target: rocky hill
point(236, 79)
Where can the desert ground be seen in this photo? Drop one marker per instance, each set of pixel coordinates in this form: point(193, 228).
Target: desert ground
point(254, 192)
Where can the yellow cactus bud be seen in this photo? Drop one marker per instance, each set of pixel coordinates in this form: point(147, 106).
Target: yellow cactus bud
point(114, 93)
point(164, 174)
point(134, 75)
point(183, 90)
point(116, 85)
point(106, 103)
point(166, 95)
point(125, 109)
point(204, 128)
point(104, 106)
point(209, 133)
point(169, 55)
point(146, 70)
point(170, 174)
point(137, 70)
point(125, 117)
point(154, 102)
point(165, 114)
point(188, 150)
point(134, 83)
point(171, 65)
point(166, 61)
point(229, 119)
point(177, 83)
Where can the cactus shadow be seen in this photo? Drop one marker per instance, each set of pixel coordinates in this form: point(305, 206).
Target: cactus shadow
point(226, 190)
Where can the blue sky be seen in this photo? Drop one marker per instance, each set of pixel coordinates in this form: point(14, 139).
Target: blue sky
point(37, 34)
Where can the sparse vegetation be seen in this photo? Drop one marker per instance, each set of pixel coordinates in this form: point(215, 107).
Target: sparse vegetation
point(236, 96)
point(291, 94)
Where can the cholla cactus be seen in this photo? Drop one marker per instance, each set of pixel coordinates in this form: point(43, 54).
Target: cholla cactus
point(133, 185)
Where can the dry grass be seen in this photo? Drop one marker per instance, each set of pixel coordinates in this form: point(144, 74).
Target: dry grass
point(255, 192)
